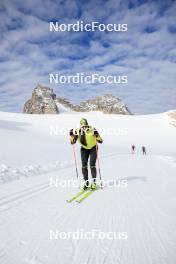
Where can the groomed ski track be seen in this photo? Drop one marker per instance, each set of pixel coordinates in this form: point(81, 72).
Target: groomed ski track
point(145, 210)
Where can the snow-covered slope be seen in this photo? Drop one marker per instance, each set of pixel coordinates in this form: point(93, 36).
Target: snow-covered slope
point(63, 109)
point(35, 151)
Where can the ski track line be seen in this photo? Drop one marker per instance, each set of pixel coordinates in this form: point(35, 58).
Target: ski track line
point(108, 219)
point(62, 222)
point(57, 169)
point(109, 223)
point(64, 219)
point(2, 253)
point(11, 198)
point(142, 233)
point(122, 226)
point(114, 224)
point(147, 230)
point(154, 231)
point(129, 256)
point(113, 201)
point(97, 217)
point(23, 195)
point(150, 229)
point(109, 249)
point(73, 217)
point(39, 174)
point(19, 196)
point(34, 253)
point(19, 192)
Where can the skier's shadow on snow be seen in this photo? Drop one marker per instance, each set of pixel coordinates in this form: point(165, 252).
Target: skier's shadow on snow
point(13, 125)
point(128, 179)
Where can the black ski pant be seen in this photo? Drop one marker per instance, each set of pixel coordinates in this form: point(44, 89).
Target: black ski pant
point(85, 154)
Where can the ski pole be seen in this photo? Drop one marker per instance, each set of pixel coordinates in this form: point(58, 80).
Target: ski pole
point(98, 162)
point(75, 160)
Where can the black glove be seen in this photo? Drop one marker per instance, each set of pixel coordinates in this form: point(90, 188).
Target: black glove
point(71, 132)
point(73, 141)
point(95, 133)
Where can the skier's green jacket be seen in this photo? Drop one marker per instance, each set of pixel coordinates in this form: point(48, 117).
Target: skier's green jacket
point(86, 136)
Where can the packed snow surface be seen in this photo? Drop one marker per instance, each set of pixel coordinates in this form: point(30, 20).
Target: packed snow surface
point(138, 201)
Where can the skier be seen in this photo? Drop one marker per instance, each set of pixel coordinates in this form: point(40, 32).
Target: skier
point(144, 150)
point(88, 137)
point(133, 149)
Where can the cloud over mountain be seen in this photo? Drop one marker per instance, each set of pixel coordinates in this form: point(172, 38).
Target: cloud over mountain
point(146, 53)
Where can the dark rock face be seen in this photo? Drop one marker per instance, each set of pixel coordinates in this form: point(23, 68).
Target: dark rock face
point(44, 101)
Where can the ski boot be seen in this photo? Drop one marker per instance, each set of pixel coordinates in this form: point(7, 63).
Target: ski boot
point(93, 186)
point(86, 186)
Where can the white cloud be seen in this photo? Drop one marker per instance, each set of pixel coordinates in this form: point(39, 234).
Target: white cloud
point(28, 51)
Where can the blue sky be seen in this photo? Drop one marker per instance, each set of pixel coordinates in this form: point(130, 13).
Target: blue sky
point(146, 53)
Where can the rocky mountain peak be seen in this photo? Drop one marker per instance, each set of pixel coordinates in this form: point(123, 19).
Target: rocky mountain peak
point(108, 104)
point(44, 101)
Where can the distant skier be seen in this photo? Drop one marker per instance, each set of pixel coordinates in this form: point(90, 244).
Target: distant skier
point(133, 147)
point(88, 137)
point(144, 150)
